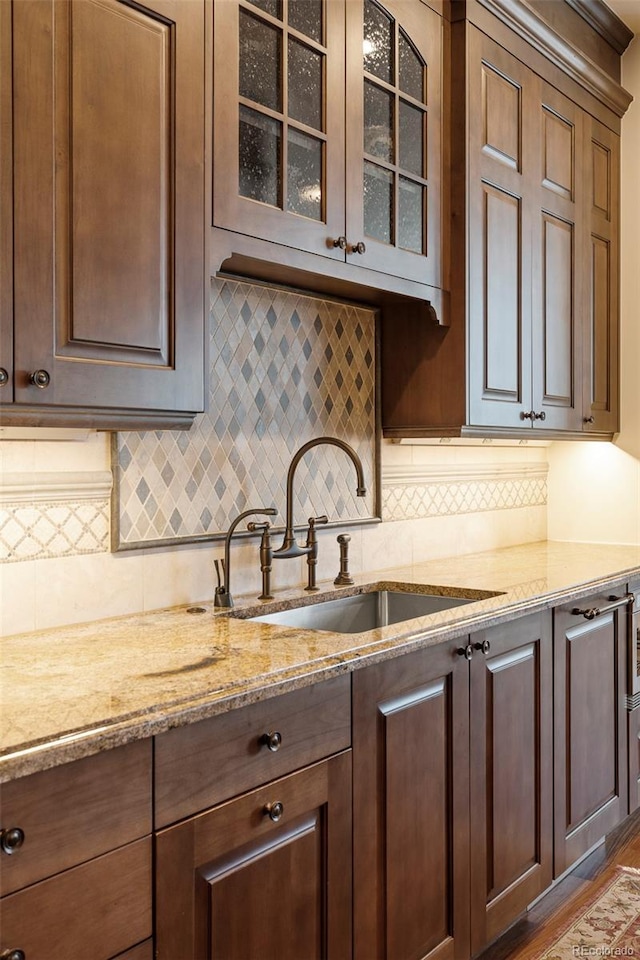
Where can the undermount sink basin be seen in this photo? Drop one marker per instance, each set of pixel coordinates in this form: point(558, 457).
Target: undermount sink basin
point(364, 611)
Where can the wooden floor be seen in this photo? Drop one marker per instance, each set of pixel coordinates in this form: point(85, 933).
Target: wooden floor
point(622, 847)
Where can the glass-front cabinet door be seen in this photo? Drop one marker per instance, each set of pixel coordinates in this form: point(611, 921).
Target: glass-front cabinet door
point(278, 148)
point(394, 137)
point(327, 129)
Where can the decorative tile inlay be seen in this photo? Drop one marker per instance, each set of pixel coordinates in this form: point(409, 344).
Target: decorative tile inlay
point(53, 515)
point(285, 368)
point(414, 493)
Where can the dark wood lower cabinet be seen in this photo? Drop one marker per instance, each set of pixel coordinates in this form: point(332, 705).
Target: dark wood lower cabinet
point(452, 792)
point(633, 729)
point(251, 880)
point(590, 729)
point(411, 780)
point(511, 782)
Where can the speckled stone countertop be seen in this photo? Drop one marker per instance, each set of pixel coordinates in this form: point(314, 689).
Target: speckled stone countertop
point(73, 691)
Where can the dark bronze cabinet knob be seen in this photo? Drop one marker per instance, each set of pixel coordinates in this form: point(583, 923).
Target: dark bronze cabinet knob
point(359, 247)
point(11, 839)
point(274, 811)
point(272, 740)
point(40, 378)
point(466, 652)
point(527, 415)
point(589, 419)
point(4, 377)
point(340, 242)
point(485, 646)
point(540, 416)
point(13, 955)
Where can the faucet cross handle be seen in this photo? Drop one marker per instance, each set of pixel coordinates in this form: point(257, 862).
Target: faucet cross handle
point(312, 550)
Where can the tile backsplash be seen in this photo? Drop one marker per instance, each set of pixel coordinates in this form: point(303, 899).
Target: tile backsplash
point(284, 368)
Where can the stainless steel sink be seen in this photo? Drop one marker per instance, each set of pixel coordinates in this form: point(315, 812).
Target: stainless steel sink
point(364, 611)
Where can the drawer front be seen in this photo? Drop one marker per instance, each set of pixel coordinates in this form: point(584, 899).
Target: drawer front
point(200, 765)
point(97, 910)
point(75, 812)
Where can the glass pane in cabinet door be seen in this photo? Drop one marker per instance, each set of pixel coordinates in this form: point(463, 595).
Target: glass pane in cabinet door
point(260, 157)
point(378, 203)
point(260, 62)
point(305, 84)
point(377, 45)
point(412, 139)
point(411, 215)
point(304, 175)
point(411, 69)
point(273, 7)
point(378, 122)
point(306, 17)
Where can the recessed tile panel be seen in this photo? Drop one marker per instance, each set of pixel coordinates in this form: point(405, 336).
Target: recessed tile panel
point(284, 368)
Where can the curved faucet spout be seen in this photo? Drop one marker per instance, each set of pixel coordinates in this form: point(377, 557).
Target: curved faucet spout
point(290, 547)
point(222, 596)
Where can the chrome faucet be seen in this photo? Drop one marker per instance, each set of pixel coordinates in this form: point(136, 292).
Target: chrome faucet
point(290, 547)
point(222, 596)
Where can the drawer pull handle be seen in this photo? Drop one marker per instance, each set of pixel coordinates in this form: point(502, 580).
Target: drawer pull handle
point(485, 646)
point(466, 652)
point(10, 841)
point(13, 955)
point(274, 811)
point(272, 740)
point(593, 612)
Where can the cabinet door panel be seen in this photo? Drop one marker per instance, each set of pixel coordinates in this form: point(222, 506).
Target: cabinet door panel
point(235, 883)
point(511, 774)
point(501, 104)
point(558, 263)
point(278, 159)
point(394, 173)
point(601, 297)
point(410, 807)
point(6, 207)
point(109, 125)
point(590, 730)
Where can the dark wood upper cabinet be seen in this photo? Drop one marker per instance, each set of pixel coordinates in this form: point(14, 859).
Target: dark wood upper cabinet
point(600, 392)
point(327, 141)
point(532, 348)
point(109, 196)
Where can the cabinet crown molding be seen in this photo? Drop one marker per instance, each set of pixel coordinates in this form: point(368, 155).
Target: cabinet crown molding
point(532, 27)
point(604, 21)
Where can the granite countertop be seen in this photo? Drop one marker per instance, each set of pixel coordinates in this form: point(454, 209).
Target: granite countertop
point(73, 691)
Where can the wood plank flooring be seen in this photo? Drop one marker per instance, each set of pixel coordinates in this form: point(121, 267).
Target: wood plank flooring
point(621, 847)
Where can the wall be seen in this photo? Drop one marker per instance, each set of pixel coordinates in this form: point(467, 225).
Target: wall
point(436, 501)
point(594, 489)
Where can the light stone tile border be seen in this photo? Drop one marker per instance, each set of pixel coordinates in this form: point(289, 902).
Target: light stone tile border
point(415, 492)
point(48, 515)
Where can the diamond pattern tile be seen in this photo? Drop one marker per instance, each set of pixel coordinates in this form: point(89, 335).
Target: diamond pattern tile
point(285, 368)
point(38, 531)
